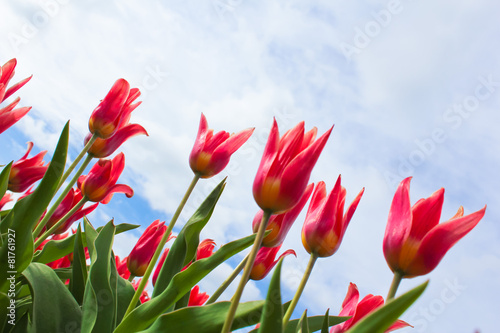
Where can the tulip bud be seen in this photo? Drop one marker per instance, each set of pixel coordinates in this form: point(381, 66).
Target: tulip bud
point(264, 261)
point(211, 152)
point(286, 166)
point(142, 253)
point(26, 171)
point(325, 223)
point(113, 110)
point(99, 184)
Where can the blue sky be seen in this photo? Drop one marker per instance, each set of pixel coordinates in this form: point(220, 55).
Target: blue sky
point(412, 88)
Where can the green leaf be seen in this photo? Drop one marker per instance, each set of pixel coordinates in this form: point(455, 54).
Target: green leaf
point(79, 268)
point(144, 315)
point(207, 319)
point(99, 302)
point(26, 212)
point(315, 323)
point(380, 320)
point(54, 308)
point(326, 323)
point(271, 320)
point(183, 250)
point(56, 249)
point(4, 179)
point(124, 293)
point(302, 325)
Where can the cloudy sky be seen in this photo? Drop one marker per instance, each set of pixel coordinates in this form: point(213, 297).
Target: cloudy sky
point(411, 86)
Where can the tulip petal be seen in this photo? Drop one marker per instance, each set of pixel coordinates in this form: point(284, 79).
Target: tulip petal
point(118, 188)
point(398, 224)
point(426, 214)
point(16, 87)
point(440, 239)
point(350, 212)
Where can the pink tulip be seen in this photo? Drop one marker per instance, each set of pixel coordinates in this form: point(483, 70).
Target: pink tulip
point(69, 201)
point(27, 171)
point(8, 115)
point(99, 184)
point(6, 198)
point(142, 253)
point(357, 310)
point(265, 261)
point(196, 298)
point(326, 223)
point(114, 110)
point(286, 166)
point(415, 241)
point(211, 152)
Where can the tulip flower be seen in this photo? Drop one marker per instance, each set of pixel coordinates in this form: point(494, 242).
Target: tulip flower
point(286, 166)
point(6, 198)
point(280, 224)
point(142, 253)
point(144, 295)
point(121, 267)
point(415, 241)
point(104, 147)
point(114, 110)
point(326, 223)
point(205, 249)
point(357, 310)
point(196, 298)
point(26, 171)
point(8, 115)
point(70, 200)
point(99, 184)
point(211, 152)
point(265, 261)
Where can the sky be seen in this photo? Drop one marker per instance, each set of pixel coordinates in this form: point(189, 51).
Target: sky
point(411, 86)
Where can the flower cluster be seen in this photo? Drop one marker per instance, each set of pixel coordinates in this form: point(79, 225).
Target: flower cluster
point(93, 290)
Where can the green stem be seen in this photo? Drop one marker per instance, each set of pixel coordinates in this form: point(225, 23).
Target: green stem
point(300, 289)
point(394, 285)
point(52, 209)
point(159, 249)
point(227, 282)
point(246, 273)
point(60, 222)
point(77, 160)
point(131, 277)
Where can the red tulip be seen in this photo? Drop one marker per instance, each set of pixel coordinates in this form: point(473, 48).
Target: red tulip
point(114, 110)
point(142, 253)
point(9, 116)
point(280, 224)
point(6, 198)
point(326, 223)
point(26, 171)
point(211, 152)
point(121, 267)
point(265, 261)
point(414, 241)
point(196, 298)
point(286, 166)
point(351, 307)
point(69, 201)
point(205, 249)
point(99, 184)
point(144, 295)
